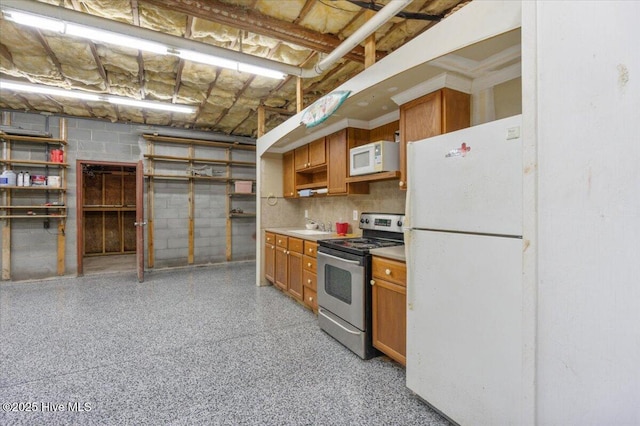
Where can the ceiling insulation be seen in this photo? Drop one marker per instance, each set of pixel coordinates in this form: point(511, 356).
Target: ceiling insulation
point(294, 32)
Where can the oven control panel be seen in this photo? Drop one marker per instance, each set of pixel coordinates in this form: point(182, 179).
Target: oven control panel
point(382, 221)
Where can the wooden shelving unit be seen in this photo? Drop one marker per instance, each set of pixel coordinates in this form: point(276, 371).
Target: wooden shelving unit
point(53, 208)
point(193, 173)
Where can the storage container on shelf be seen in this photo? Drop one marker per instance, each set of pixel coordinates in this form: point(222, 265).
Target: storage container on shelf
point(243, 186)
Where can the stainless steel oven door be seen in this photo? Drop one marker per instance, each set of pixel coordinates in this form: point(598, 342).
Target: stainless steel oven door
point(341, 286)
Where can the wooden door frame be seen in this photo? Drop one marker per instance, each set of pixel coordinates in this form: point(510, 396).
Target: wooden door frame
point(80, 203)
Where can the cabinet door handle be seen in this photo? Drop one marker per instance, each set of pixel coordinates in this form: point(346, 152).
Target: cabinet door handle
point(309, 281)
point(310, 299)
point(401, 183)
point(310, 250)
point(309, 264)
point(279, 241)
point(387, 271)
point(372, 282)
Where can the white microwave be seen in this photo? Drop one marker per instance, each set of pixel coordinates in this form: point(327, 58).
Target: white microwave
point(375, 157)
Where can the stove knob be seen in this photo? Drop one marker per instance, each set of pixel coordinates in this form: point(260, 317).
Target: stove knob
point(399, 223)
point(361, 220)
point(366, 221)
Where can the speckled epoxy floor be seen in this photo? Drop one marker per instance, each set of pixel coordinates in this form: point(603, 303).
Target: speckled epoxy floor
point(186, 347)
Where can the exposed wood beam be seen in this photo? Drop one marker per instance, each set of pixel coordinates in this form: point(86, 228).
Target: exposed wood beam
point(299, 95)
point(5, 53)
point(257, 23)
point(369, 44)
point(304, 11)
point(204, 101)
point(261, 120)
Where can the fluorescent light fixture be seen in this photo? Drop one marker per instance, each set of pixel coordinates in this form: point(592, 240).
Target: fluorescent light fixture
point(202, 58)
point(117, 100)
point(124, 40)
point(260, 71)
point(44, 90)
point(150, 105)
point(35, 21)
point(115, 38)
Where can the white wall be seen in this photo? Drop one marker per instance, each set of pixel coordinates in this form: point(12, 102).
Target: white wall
point(586, 113)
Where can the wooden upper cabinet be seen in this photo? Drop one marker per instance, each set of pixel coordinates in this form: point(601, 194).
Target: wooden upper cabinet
point(317, 153)
point(337, 170)
point(302, 157)
point(288, 175)
point(311, 155)
point(338, 145)
point(442, 111)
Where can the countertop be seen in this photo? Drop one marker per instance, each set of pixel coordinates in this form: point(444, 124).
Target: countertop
point(395, 252)
point(290, 233)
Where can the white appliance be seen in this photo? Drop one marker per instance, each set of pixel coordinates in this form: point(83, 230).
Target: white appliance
point(464, 258)
point(374, 157)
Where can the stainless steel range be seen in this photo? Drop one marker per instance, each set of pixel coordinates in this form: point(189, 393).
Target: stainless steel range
point(344, 271)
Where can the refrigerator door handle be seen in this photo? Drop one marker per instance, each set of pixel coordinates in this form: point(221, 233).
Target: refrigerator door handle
point(407, 229)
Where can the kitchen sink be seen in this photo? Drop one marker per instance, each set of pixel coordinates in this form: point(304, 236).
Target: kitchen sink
point(311, 232)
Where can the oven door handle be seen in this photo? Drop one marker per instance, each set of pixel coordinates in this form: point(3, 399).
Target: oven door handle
point(336, 322)
point(355, 262)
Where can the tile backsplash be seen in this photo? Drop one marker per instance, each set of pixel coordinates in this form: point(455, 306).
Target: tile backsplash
point(383, 197)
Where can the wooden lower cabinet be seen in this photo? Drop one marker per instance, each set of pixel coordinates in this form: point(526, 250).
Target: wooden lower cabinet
point(281, 274)
point(290, 264)
point(310, 275)
point(389, 298)
point(295, 267)
point(269, 257)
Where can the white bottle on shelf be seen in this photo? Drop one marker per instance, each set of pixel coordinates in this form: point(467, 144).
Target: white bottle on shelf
point(26, 179)
point(20, 179)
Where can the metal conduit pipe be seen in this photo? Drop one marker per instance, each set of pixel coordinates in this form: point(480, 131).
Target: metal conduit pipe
point(369, 27)
point(79, 18)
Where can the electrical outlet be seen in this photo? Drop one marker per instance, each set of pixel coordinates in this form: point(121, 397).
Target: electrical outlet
point(355, 215)
point(306, 214)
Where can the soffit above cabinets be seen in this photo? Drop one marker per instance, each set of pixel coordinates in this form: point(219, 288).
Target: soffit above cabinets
point(469, 69)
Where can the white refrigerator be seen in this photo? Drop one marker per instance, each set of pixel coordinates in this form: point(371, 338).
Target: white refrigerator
point(464, 258)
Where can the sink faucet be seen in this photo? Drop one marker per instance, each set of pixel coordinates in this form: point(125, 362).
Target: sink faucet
point(328, 227)
point(322, 226)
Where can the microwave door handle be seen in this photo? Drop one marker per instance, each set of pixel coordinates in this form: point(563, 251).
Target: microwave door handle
point(355, 262)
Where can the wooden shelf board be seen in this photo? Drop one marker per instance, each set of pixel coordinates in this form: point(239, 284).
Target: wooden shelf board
point(33, 188)
point(35, 163)
point(313, 185)
point(178, 159)
point(374, 177)
point(35, 216)
point(34, 139)
point(242, 215)
point(242, 194)
point(186, 141)
point(109, 209)
point(178, 177)
point(32, 207)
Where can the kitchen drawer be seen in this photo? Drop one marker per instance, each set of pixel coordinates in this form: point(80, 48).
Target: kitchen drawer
point(270, 238)
point(390, 270)
point(310, 264)
point(309, 279)
point(310, 298)
point(282, 241)
point(310, 248)
point(296, 245)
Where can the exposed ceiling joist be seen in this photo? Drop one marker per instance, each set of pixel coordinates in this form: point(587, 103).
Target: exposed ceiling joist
point(255, 22)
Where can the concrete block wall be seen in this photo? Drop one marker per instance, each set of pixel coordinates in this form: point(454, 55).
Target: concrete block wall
point(33, 248)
